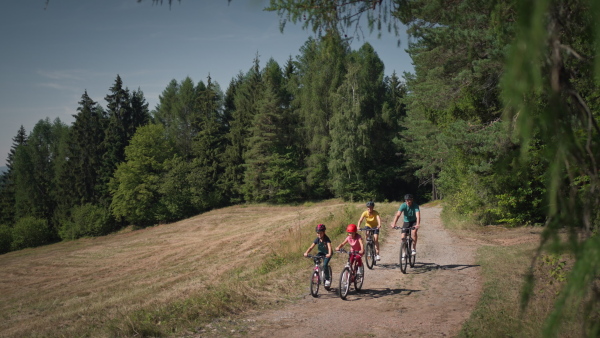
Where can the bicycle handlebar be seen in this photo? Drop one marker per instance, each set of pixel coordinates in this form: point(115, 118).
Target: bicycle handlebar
point(367, 229)
point(409, 228)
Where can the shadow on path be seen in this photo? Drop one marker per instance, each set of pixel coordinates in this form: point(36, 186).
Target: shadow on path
point(422, 267)
point(378, 293)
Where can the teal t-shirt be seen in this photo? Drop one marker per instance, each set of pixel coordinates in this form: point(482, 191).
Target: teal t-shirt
point(410, 213)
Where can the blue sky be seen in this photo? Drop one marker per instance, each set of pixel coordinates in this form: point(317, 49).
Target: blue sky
point(49, 57)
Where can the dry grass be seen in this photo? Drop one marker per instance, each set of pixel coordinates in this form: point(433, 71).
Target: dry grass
point(163, 280)
point(506, 255)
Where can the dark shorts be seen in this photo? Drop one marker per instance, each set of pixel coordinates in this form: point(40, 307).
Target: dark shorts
point(407, 225)
point(375, 231)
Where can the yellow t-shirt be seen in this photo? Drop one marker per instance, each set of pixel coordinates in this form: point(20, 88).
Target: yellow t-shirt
point(371, 219)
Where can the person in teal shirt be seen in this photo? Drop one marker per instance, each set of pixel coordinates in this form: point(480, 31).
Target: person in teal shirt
point(412, 217)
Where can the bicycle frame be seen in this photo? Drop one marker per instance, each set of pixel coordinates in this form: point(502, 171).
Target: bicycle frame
point(370, 251)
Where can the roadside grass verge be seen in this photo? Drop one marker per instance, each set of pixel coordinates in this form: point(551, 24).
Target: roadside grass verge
point(499, 312)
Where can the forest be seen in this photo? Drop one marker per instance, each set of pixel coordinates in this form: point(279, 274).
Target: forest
point(499, 120)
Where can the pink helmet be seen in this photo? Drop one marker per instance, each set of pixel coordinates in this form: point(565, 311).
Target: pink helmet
point(320, 227)
point(351, 228)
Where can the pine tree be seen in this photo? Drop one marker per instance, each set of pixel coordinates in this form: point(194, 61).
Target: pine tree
point(321, 68)
point(246, 97)
point(7, 181)
point(87, 149)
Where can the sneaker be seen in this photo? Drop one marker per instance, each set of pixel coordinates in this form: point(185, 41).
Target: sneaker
point(361, 270)
point(414, 252)
point(403, 256)
point(377, 257)
point(327, 282)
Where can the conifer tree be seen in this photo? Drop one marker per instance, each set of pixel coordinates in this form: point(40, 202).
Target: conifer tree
point(321, 69)
point(87, 149)
point(246, 97)
point(7, 181)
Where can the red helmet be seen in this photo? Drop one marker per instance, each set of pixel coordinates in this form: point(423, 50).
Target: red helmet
point(320, 227)
point(351, 228)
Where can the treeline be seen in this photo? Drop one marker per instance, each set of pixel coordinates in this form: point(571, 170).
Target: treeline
point(323, 125)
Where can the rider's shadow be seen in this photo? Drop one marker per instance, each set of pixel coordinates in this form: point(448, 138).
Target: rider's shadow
point(378, 293)
point(423, 267)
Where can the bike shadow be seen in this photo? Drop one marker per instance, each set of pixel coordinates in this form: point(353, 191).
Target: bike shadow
point(424, 267)
point(379, 293)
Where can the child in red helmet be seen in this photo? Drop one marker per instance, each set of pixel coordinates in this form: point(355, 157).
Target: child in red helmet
point(356, 244)
point(323, 244)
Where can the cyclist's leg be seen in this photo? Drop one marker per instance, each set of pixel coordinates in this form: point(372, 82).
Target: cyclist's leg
point(414, 236)
point(376, 240)
point(326, 270)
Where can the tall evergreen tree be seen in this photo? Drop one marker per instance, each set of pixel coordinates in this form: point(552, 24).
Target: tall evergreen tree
point(321, 70)
point(36, 165)
point(7, 181)
point(246, 97)
point(87, 149)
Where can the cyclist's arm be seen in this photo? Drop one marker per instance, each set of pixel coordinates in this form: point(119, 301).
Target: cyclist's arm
point(341, 245)
point(360, 220)
point(418, 214)
point(378, 222)
point(309, 249)
point(362, 247)
point(329, 250)
point(398, 213)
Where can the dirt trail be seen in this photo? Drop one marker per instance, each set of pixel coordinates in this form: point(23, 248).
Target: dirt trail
point(433, 299)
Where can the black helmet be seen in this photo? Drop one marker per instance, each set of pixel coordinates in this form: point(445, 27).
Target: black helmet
point(408, 197)
point(370, 204)
point(320, 227)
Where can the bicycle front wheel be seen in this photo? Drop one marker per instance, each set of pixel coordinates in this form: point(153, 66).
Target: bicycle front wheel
point(404, 256)
point(413, 259)
point(344, 283)
point(314, 284)
point(370, 255)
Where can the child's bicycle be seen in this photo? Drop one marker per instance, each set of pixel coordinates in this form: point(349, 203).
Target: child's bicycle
point(370, 248)
point(318, 275)
point(350, 274)
point(406, 255)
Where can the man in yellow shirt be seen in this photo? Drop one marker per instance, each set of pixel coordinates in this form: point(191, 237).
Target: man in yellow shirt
point(373, 221)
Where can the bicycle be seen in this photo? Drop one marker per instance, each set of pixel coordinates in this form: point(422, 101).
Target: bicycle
point(318, 275)
point(370, 248)
point(350, 274)
point(406, 255)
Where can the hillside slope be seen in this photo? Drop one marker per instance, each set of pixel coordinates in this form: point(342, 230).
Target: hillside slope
point(84, 286)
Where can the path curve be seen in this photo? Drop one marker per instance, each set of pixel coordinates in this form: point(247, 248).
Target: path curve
point(433, 299)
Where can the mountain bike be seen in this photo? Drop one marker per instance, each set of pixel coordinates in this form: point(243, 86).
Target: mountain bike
point(350, 274)
point(406, 256)
point(318, 275)
point(370, 248)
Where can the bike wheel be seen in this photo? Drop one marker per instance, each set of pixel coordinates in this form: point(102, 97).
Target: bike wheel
point(314, 284)
point(358, 279)
point(370, 255)
point(344, 283)
point(330, 277)
point(404, 252)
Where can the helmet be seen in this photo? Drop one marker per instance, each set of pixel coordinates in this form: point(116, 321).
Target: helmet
point(351, 228)
point(370, 204)
point(408, 197)
point(320, 227)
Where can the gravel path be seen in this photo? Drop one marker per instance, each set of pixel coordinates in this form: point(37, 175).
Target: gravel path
point(433, 299)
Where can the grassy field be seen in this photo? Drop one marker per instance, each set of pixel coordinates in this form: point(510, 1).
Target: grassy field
point(172, 279)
